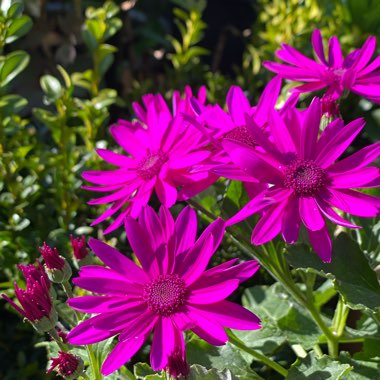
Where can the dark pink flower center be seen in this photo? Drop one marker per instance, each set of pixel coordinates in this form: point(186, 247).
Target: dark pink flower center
point(241, 135)
point(151, 164)
point(335, 75)
point(165, 294)
point(305, 178)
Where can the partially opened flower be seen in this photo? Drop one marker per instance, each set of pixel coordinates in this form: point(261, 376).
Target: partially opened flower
point(353, 73)
point(35, 301)
point(305, 181)
point(165, 156)
point(170, 293)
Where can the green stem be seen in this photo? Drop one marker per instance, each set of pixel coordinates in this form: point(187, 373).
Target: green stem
point(270, 363)
point(94, 363)
point(124, 370)
point(53, 333)
point(90, 352)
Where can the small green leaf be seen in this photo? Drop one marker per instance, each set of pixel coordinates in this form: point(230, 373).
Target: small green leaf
point(15, 10)
point(51, 87)
point(143, 370)
point(113, 25)
point(12, 65)
point(105, 57)
point(18, 28)
point(323, 368)
point(12, 104)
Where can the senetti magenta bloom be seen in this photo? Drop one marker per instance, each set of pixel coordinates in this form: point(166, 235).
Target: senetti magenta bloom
point(170, 293)
point(165, 155)
point(353, 73)
point(305, 181)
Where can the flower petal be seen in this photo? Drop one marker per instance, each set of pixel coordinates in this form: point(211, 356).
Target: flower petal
point(120, 354)
point(231, 315)
point(212, 332)
point(140, 242)
point(352, 202)
point(185, 230)
point(310, 214)
point(269, 225)
point(162, 344)
point(212, 293)
point(321, 242)
point(339, 143)
point(237, 104)
point(291, 221)
point(117, 261)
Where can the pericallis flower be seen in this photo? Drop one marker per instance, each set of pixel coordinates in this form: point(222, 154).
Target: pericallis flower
point(170, 293)
point(67, 365)
point(35, 301)
point(353, 73)
point(165, 155)
point(305, 181)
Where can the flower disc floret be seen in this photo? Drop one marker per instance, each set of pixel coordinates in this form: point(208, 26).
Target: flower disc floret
point(305, 178)
point(166, 294)
point(151, 164)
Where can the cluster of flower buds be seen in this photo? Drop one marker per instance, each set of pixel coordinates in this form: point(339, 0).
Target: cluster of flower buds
point(67, 365)
point(35, 300)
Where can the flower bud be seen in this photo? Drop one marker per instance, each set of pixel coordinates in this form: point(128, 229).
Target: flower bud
point(80, 250)
point(35, 301)
point(57, 268)
point(67, 365)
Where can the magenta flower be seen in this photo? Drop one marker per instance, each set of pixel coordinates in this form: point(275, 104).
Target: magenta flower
point(353, 73)
point(170, 293)
point(305, 181)
point(165, 155)
point(35, 301)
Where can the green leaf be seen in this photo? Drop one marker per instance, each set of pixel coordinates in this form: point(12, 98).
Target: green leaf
point(12, 104)
point(323, 368)
point(281, 320)
point(15, 10)
point(105, 57)
point(52, 87)
point(349, 269)
point(12, 65)
point(18, 28)
point(220, 358)
point(361, 370)
point(5, 5)
point(143, 371)
point(113, 25)
point(105, 98)
point(197, 372)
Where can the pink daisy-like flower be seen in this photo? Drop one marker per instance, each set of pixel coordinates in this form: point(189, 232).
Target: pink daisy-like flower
point(305, 181)
point(165, 155)
point(353, 72)
point(171, 292)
